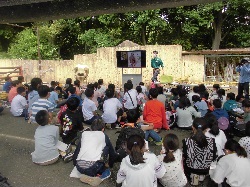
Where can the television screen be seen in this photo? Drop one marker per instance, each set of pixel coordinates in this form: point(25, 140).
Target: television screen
point(131, 59)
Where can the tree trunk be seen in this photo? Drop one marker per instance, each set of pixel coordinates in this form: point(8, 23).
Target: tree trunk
point(217, 26)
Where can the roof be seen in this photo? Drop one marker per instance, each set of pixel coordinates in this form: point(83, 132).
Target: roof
point(17, 11)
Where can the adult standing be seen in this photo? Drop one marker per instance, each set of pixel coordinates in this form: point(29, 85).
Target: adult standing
point(156, 63)
point(244, 69)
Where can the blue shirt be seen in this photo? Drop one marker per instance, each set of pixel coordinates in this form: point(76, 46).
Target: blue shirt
point(7, 86)
point(244, 73)
point(53, 98)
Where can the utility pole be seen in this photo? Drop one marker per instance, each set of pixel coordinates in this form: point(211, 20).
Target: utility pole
point(39, 51)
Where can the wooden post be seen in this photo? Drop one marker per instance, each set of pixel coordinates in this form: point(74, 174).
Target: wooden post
point(39, 52)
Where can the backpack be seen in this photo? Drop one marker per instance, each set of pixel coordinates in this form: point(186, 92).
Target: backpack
point(121, 142)
point(59, 114)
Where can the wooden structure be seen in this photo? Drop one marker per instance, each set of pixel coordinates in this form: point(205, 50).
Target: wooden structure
point(12, 72)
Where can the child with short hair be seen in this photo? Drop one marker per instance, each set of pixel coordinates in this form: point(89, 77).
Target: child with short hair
point(139, 168)
point(71, 121)
point(216, 87)
point(72, 93)
point(154, 111)
point(19, 105)
point(144, 89)
point(47, 144)
point(33, 95)
point(94, 155)
point(112, 109)
point(246, 116)
point(42, 103)
point(218, 111)
point(230, 104)
point(171, 156)
point(200, 105)
point(88, 107)
point(53, 98)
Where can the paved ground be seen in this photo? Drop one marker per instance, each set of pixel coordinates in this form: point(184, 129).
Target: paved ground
point(16, 137)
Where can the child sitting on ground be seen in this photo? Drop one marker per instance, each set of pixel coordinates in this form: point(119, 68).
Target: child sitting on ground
point(13, 91)
point(93, 155)
point(139, 168)
point(246, 116)
point(200, 105)
point(88, 107)
point(112, 109)
point(230, 104)
point(71, 121)
point(218, 111)
point(47, 144)
point(42, 103)
point(154, 111)
point(19, 105)
point(171, 156)
point(53, 98)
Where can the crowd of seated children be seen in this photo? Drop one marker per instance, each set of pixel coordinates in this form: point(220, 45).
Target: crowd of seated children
point(194, 92)
point(214, 93)
point(33, 94)
point(42, 103)
point(47, 144)
point(230, 104)
point(233, 168)
point(218, 111)
point(171, 156)
point(185, 113)
point(19, 105)
point(213, 131)
point(7, 84)
point(134, 120)
point(77, 86)
point(72, 93)
point(129, 99)
point(245, 141)
point(161, 97)
point(203, 92)
point(112, 109)
point(71, 121)
point(139, 168)
point(13, 90)
point(144, 89)
point(198, 152)
point(200, 105)
point(53, 98)
point(88, 107)
point(154, 111)
point(220, 95)
point(94, 155)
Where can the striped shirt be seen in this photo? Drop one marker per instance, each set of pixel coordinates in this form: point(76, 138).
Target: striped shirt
point(40, 104)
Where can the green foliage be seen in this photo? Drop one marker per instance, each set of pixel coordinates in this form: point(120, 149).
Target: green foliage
point(25, 46)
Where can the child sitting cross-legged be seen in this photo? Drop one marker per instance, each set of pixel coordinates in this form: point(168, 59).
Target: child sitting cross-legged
point(94, 155)
point(47, 146)
point(19, 105)
point(71, 121)
point(112, 109)
point(171, 156)
point(42, 103)
point(140, 167)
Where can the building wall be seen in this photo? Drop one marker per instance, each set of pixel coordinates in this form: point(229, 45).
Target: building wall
point(103, 65)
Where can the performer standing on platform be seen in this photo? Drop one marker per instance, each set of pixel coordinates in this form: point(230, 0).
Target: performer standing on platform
point(156, 63)
point(244, 69)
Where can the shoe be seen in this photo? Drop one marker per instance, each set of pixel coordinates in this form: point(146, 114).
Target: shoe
point(158, 143)
point(150, 139)
point(68, 149)
point(68, 157)
point(106, 174)
point(118, 126)
point(92, 181)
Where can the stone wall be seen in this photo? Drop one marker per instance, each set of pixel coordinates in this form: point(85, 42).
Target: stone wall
point(103, 65)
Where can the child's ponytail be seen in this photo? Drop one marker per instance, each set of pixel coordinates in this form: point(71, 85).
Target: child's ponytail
point(199, 137)
point(171, 144)
point(135, 146)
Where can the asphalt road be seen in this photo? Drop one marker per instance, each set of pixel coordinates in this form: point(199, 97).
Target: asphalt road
point(17, 143)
